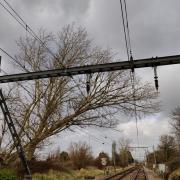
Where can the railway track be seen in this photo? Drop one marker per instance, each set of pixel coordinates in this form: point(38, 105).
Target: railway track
point(135, 173)
point(140, 174)
point(120, 175)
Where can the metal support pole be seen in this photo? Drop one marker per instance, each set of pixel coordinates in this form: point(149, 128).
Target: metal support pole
point(114, 155)
point(15, 137)
point(155, 161)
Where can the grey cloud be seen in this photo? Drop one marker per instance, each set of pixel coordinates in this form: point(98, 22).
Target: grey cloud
point(68, 9)
point(75, 7)
point(154, 29)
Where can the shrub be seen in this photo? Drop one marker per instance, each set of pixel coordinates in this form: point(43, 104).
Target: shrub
point(174, 164)
point(8, 174)
point(97, 161)
point(81, 155)
point(40, 166)
point(44, 166)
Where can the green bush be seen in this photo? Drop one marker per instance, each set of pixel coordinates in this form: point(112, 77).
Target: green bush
point(8, 174)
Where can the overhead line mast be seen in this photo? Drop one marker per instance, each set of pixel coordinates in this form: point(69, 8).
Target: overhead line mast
point(15, 136)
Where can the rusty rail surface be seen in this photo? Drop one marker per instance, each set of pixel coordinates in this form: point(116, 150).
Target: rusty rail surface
point(121, 174)
point(140, 174)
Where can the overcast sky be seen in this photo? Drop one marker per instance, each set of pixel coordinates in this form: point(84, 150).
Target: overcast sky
point(154, 30)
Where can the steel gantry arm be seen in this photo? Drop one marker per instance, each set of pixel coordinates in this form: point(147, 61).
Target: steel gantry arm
point(123, 65)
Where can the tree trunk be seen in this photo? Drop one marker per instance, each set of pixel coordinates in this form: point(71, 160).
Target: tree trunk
point(30, 150)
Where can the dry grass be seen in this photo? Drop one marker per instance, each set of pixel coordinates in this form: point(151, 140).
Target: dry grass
point(54, 175)
point(70, 175)
point(175, 173)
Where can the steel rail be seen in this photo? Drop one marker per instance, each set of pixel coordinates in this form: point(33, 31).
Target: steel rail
point(121, 174)
point(140, 172)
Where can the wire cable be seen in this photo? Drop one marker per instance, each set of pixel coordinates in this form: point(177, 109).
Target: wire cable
point(7, 54)
point(130, 57)
point(28, 29)
point(25, 26)
point(98, 139)
point(135, 109)
point(127, 25)
point(124, 28)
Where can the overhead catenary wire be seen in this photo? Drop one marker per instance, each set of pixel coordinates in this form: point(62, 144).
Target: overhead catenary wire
point(99, 140)
point(112, 129)
point(5, 52)
point(25, 26)
point(124, 15)
point(124, 28)
point(100, 134)
point(28, 29)
point(135, 108)
point(19, 84)
point(94, 137)
point(128, 32)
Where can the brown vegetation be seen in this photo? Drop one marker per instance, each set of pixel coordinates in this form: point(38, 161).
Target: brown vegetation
point(98, 160)
point(80, 154)
point(175, 123)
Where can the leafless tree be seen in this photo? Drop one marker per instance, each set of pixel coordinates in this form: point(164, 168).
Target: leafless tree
point(48, 106)
point(80, 154)
point(124, 151)
point(175, 123)
point(124, 143)
point(167, 146)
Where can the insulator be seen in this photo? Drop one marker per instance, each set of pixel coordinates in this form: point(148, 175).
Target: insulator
point(156, 78)
point(87, 87)
point(0, 63)
point(88, 83)
point(132, 64)
point(156, 84)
